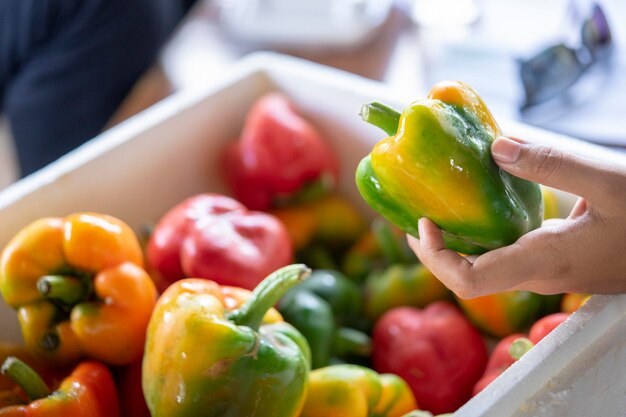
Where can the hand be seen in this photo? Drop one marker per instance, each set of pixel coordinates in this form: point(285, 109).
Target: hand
point(585, 253)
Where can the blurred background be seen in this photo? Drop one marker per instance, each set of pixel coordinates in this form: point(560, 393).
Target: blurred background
point(557, 64)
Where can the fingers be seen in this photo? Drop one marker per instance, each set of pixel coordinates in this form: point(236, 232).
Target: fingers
point(431, 250)
point(455, 271)
point(554, 168)
point(579, 208)
point(499, 270)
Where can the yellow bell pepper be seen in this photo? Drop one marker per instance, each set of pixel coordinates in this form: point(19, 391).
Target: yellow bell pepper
point(356, 391)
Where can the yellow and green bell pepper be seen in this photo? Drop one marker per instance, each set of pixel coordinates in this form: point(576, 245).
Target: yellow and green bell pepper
point(356, 391)
point(217, 351)
point(437, 163)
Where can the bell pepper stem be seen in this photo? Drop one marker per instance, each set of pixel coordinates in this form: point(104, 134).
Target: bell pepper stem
point(351, 342)
point(23, 375)
point(382, 116)
point(66, 289)
point(519, 347)
point(311, 191)
point(267, 294)
point(50, 342)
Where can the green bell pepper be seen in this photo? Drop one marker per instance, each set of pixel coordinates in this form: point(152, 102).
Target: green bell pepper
point(382, 245)
point(324, 308)
point(224, 352)
point(437, 163)
point(402, 285)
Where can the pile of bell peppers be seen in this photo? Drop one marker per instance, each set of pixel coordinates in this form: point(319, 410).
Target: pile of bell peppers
point(242, 326)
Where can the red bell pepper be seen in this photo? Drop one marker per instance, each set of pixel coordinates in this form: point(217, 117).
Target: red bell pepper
point(88, 391)
point(278, 155)
point(128, 381)
point(538, 331)
point(215, 237)
point(499, 361)
point(512, 347)
point(436, 350)
point(545, 325)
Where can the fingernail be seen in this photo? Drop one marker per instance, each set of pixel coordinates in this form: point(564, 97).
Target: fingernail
point(421, 226)
point(505, 150)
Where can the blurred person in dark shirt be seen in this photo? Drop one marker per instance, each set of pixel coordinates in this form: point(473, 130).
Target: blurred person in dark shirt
point(66, 65)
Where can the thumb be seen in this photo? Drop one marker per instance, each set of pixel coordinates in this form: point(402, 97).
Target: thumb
point(552, 167)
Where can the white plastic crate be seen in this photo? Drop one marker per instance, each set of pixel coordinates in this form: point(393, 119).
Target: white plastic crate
point(141, 168)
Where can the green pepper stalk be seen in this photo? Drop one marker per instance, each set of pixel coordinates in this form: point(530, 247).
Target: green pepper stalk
point(31, 383)
point(88, 391)
point(67, 290)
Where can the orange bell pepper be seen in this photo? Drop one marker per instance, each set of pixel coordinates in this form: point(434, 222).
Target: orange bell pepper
point(573, 301)
point(79, 289)
point(503, 313)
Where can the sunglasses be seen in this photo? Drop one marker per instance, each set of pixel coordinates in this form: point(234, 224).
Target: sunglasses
point(553, 71)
